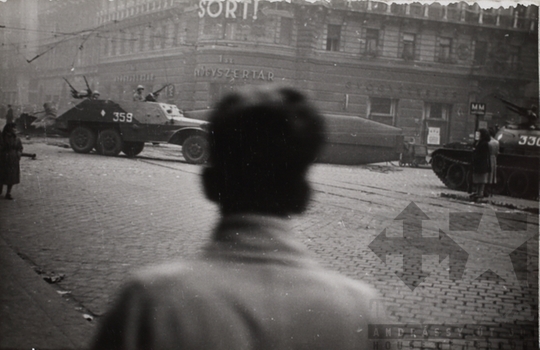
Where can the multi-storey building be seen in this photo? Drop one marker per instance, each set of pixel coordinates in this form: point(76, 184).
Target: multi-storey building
point(414, 66)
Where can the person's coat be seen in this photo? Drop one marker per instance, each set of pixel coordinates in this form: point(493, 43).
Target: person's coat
point(481, 158)
point(11, 149)
point(254, 288)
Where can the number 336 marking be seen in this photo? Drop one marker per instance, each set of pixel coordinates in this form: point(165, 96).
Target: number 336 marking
point(529, 140)
point(122, 117)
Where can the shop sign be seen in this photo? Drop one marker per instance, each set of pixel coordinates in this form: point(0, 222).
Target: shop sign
point(125, 78)
point(228, 8)
point(233, 74)
point(411, 90)
point(478, 108)
point(434, 136)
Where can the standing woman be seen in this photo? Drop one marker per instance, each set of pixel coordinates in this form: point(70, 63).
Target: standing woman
point(494, 152)
point(481, 163)
point(10, 154)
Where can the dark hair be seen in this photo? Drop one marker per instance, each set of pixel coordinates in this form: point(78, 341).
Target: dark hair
point(9, 127)
point(262, 142)
point(484, 135)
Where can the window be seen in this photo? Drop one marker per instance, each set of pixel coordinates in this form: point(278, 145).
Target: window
point(445, 49)
point(437, 111)
point(372, 41)
point(480, 52)
point(333, 37)
point(514, 57)
point(230, 30)
point(213, 28)
point(382, 110)
point(408, 46)
point(285, 33)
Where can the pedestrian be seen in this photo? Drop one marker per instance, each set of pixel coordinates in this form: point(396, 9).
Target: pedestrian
point(138, 95)
point(493, 145)
point(10, 155)
point(481, 163)
point(9, 115)
point(254, 286)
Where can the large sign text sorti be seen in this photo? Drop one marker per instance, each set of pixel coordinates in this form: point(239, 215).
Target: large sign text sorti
point(228, 8)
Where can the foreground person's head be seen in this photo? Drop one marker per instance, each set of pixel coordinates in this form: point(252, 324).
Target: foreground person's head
point(262, 142)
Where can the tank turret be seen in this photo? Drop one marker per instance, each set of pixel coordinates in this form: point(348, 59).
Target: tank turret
point(518, 162)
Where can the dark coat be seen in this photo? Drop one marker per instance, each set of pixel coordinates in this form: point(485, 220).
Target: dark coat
point(10, 154)
point(481, 158)
point(9, 116)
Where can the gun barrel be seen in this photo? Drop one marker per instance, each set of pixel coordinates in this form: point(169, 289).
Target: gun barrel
point(71, 86)
point(159, 90)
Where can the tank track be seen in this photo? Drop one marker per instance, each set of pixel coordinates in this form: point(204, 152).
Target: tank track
point(532, 175)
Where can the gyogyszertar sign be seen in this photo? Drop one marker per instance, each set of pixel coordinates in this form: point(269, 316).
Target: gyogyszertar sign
point(229, 73)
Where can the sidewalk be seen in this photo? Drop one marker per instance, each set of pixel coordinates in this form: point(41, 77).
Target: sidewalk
point(32, 314)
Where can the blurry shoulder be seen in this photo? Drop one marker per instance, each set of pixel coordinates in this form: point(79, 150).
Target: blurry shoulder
point(169, 275)
point(346, 286)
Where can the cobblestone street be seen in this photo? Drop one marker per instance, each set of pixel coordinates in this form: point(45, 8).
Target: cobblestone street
point(94, 219)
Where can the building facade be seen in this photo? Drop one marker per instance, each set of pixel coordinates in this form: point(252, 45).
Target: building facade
point(417, 67)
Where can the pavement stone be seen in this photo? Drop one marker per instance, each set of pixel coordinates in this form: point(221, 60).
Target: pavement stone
point(96, 219)
point(32, 313)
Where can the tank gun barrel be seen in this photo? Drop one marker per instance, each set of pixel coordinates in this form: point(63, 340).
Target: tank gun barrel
point(529, 113)
point(511, 106)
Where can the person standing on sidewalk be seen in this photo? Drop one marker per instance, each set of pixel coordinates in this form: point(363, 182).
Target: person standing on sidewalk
point(254, 287)
point(493, 153)
point(481, 163)
point(10, 155)
point(10, 118)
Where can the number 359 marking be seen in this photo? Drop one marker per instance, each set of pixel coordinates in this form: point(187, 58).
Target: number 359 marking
point(529, 140)
point(122, 117)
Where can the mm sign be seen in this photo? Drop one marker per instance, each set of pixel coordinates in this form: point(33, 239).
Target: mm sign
point(478, 108)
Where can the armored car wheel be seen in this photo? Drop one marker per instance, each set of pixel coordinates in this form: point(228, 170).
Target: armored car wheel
point(82, 139)
point(195, 149)
point(131, 149)
point(109, 143)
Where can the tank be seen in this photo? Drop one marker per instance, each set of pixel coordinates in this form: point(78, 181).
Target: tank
point(518, 162)
point(112, 127)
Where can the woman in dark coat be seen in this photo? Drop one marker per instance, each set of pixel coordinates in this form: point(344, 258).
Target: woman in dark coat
point(481, 164)
point(10, 154)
